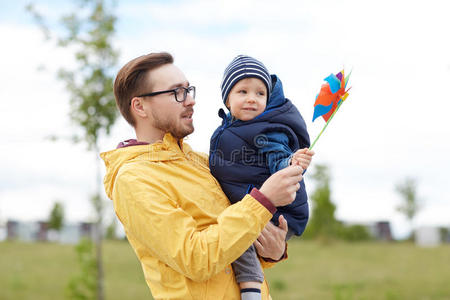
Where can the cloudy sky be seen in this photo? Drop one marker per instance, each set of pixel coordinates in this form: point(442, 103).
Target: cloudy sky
point(394, 124)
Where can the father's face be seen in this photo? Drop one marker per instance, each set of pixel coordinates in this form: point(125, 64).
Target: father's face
point(168, 115)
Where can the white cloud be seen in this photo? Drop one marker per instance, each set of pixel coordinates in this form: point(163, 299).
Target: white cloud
point(36, 202)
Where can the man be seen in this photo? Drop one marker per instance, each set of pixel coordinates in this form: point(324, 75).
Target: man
point(176, 217)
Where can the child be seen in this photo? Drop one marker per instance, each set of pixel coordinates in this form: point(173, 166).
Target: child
point(261, 135)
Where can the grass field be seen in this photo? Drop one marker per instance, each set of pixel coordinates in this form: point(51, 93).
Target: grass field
point(313, 271)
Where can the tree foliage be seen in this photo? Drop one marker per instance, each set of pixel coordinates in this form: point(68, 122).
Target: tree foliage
point(83, 285)
point(92, 101)
point(88, 33)
point(56, 218)
point(410, 204)
point(322, 222)
point(354, 233)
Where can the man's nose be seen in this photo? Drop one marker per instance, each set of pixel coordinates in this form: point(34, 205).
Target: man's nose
point(190, 101)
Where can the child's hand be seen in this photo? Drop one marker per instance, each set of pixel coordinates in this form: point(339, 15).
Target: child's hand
point(302, 158)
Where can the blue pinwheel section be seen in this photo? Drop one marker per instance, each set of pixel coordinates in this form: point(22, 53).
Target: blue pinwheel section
point(334, 82)
point(320, 110)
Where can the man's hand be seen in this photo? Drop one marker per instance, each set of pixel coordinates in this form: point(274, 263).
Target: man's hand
point(281, 187)
point(302, 158)
point(272, 241)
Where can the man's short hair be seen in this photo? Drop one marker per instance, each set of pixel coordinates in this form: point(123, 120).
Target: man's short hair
point(130, 80)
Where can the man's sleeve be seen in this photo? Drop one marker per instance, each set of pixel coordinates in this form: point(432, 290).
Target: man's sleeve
point(267, 263)
point(171, 235)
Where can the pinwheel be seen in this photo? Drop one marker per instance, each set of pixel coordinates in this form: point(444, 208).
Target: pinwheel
point(330, 98)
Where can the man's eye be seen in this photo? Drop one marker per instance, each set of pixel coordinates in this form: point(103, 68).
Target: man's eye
point(179, 92)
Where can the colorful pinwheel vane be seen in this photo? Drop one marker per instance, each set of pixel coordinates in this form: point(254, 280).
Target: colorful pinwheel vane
point(332, 94)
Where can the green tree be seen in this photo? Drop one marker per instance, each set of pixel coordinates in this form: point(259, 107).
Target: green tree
point(83, 285)
point(322, 223)
point(56, 218)
point(354, 233)
point(410, 202)
point(88, 32)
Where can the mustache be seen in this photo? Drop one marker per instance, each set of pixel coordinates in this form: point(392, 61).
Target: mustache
point(188, 112)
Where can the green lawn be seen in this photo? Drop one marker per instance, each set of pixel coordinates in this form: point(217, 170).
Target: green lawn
point(362, 271)
point(313, 271)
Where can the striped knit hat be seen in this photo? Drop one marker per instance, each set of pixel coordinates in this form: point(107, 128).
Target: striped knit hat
point(241, 67)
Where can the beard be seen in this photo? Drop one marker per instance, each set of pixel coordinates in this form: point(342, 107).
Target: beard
point(170, 125)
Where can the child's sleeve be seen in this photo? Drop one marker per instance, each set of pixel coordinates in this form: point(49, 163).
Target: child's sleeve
point(277, 151)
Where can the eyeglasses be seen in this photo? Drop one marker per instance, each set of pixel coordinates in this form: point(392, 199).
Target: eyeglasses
point(180, 93)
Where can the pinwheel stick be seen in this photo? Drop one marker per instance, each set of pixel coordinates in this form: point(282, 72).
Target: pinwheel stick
point(326, 124)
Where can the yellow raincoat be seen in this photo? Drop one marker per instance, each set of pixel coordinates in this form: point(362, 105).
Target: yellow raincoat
point(178, 220)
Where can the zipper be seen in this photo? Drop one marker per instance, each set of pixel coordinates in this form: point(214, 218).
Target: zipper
point(249, 188)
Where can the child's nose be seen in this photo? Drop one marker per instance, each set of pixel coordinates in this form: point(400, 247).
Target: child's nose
point(251, 98)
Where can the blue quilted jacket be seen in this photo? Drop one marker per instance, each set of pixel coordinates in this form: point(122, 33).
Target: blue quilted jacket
point(243, 154)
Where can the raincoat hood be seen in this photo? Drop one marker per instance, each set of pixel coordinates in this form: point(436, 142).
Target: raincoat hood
point(128, 153)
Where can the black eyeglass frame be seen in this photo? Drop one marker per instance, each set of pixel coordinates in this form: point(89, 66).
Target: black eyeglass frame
point(174, 91)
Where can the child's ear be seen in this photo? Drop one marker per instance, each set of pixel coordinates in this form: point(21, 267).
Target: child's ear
point(227, 103)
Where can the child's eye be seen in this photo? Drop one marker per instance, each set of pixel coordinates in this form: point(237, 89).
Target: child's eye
point(261, 93)
point(242, 92)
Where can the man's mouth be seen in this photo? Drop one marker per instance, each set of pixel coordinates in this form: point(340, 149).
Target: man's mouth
point(187, 115)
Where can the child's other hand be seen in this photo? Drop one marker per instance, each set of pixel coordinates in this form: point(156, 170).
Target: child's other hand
point(302, 158)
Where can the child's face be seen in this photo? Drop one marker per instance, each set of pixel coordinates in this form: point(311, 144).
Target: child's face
point(247, 99)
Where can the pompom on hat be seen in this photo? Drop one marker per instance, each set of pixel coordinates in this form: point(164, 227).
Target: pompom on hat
point(243, 66)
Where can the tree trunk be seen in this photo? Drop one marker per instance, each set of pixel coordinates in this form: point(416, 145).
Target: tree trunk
point(99, 229)
point(99, 254)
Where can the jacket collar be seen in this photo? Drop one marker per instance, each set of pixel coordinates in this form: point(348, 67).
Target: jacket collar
point(168, 149)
